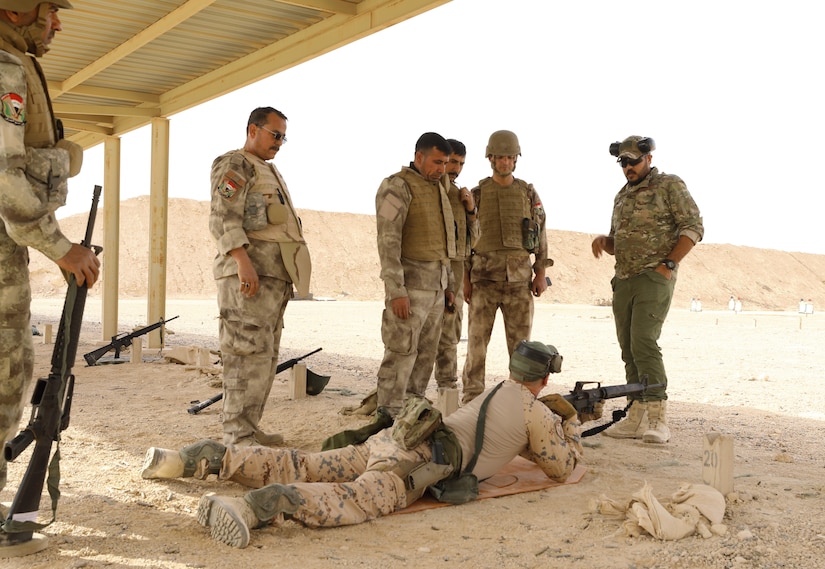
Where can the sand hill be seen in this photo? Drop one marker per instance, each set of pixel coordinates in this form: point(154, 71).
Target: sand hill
point(345, 263)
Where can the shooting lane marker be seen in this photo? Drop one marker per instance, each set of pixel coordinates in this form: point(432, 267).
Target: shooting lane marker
point(137, 350)
point(47, 334)
point(447, 400)
point(298, 381)
point(717, 462)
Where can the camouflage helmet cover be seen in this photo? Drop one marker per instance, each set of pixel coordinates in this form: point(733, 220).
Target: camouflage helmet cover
point(29, 5)
point(532, 361)
point(503, 143)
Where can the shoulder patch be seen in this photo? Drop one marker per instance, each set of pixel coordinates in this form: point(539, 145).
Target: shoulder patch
point(231, 182)
point(13, 108)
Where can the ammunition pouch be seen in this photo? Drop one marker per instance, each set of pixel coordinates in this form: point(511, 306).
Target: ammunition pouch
point(47, 170)
point(530, 235)
point(254, 212)
point(416, 421)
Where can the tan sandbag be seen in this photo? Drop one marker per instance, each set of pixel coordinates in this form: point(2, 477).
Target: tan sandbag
point(367, 406)
point(189, 355)
point(707, 499)
point(655, 518)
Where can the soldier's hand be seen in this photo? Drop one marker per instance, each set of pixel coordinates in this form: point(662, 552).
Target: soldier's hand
point(539, 284)
point(82, 263)
point(466, 198)
point(401, 307)
point(248, 281)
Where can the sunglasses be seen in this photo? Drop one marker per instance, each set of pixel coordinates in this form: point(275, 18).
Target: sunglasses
point(276, 135)
point(625, 162)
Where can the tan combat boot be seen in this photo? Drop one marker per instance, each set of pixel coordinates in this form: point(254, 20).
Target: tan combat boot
point(657, 416)
point(197, 460)
point(231, 519)
point(633, 426)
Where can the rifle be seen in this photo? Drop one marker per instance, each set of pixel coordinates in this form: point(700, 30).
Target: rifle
point(51, 408)
point(120, 342)
point(585, 400)
point(195, 409)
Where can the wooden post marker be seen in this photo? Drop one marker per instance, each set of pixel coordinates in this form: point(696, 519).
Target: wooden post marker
point(47, 334)
point(298, 381)
point(717, 462)
point(137, 351)
point(447, 400)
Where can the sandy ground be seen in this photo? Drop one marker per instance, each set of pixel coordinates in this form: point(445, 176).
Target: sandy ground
point(754, 376)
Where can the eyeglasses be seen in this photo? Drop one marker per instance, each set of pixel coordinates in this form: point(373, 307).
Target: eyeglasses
point(625, 162)
point(275, 135)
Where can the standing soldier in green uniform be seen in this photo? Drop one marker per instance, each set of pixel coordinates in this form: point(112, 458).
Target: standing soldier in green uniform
point(654, 226)
point(416, 240)
point(466, 230)
point(34, 168)
point(261, 253)
point(511, 222)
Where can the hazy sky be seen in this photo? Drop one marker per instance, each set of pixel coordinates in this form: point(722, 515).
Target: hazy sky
point(731, 91)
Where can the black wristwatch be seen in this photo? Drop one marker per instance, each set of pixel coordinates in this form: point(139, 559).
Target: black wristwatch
point(669, 264)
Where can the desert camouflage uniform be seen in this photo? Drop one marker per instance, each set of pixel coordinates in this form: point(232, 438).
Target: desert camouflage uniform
point(250, 328)
point(415, 252)
point(501, 274)
point(446, 359)
point(28, 200)
point(359, 483)
point(647, 221)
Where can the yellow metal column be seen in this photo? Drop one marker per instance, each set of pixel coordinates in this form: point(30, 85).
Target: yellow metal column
point(158, 214)
point(111, 234)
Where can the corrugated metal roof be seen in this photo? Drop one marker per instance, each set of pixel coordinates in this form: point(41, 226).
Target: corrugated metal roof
point(116, 65)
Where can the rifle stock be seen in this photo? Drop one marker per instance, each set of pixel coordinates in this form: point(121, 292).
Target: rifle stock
point(197, 408)
point(51, 406)
point(119, 342)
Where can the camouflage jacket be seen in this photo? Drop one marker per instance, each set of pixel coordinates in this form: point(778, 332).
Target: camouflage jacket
point(648, 220)
point(392, 202)
point(26, 205)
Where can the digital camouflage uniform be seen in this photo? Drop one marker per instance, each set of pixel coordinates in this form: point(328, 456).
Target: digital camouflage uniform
point(446, 359)
point(416, 240)
point(251, 208)
point(358, 483)
point(647, 221)
point(34, 167)
point(501, 272)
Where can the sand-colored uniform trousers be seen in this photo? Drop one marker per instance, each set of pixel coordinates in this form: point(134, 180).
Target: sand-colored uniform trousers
point(16, 348)
point(640, 306)
point(409, 344)
point(339, 487)
point(250, 336)
point(446, 358)
point(516, 304)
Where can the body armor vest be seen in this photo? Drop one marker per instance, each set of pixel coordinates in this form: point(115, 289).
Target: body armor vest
point(283, 225)
point(427, 235)
point(462, 248)
point(500, 215)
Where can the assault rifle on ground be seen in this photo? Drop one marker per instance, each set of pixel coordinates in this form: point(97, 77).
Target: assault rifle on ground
point(586, 401)
point(124, 341)
point(51, 404)
point(195, 409)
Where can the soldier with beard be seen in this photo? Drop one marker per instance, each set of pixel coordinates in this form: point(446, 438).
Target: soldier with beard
point(35, 163)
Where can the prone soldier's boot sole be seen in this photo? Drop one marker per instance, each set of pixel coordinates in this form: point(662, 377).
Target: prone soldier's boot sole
point(228, 519)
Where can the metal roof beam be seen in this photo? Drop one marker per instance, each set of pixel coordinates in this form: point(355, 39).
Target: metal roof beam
point(57, 88)
point(168, 22)
point(61, 109)
point(334, 6)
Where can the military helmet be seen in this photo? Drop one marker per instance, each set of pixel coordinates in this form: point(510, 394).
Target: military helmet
point(532, 361)
point(316, 382)
point(29, 5)
point(503, 143)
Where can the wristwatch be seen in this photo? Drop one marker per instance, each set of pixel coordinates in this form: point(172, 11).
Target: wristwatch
point(669, 264)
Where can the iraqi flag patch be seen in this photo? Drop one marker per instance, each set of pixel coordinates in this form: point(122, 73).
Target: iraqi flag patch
point(13, 108)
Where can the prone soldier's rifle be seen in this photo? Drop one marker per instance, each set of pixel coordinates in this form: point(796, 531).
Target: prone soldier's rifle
point(51, 407)
point(586, 401)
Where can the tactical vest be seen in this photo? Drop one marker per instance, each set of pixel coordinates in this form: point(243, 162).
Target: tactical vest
point(427, 235)
point(283, 224)
point(462, 248)
point(500, 214)
point(40, 127)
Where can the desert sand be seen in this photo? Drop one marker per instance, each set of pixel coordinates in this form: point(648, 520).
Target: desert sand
point(755, 376)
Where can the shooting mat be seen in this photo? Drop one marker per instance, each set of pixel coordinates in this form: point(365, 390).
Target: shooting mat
point(521, 475)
